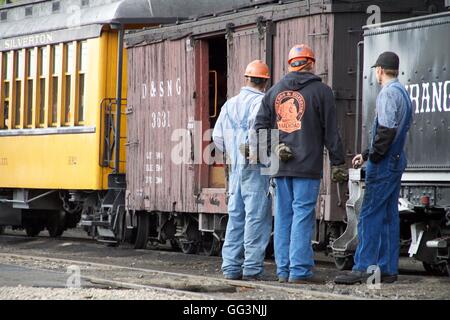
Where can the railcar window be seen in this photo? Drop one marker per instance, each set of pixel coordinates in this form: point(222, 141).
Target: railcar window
point(31, 71)
point(41, 102)
point(18, 74)
point(31, 58)
point(29, 103)
point(6, 77)
point(43, 73)
point(17, 104)
point(67, 103)
point(82, 64)
point(56, 68)
point(43, 62)
point(68, 71)
point(7, 65)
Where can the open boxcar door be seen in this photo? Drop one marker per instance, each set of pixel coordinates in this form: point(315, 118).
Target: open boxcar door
point(221, 74)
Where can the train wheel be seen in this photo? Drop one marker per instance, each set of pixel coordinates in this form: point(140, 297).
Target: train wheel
point(211, 246)
point(33, 230)
point(345, 263)
point(439, 269)
point(189, 247)
point(55, 224)
point(143, 221)
point(175, 244)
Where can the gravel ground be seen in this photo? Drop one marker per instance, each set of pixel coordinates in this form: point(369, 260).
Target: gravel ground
point(31, 293)
point(413, 282)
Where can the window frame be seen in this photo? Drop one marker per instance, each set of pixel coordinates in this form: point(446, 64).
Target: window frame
point(81, 72)
point(30, 77)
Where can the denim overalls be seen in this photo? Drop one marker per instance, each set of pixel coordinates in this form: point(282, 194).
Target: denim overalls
point(249, 208)
point(379, 223)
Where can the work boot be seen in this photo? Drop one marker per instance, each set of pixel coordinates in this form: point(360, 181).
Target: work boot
point(353, 277)
point(309, 280)
point(282, 279)
point(388, 278)
point(255, 277)
point(233, 276)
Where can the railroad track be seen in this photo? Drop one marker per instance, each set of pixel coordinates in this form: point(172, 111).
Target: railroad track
point(168, 282)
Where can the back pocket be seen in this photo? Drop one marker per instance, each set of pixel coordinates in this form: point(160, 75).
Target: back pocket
point(396, 163)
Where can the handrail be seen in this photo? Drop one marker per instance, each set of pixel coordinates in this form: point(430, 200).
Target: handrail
point(109, 130)
point(215, 93)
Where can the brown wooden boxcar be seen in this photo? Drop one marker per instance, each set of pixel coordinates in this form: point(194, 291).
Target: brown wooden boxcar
point(179, 77)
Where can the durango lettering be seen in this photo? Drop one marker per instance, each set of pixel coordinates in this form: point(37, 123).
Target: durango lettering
point(430, 96)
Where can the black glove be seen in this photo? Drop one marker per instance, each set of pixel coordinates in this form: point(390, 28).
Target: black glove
point(339, 173)
point(283, 152)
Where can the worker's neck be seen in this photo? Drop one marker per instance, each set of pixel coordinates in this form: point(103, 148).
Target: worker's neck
point(385, 80)
point(254, 86)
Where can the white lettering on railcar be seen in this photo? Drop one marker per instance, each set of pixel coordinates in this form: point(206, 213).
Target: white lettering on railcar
point(28, 41)
point(153, 167)
point(161, 89)
point(429, 97)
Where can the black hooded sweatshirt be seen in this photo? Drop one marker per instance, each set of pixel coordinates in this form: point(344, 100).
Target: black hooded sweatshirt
point(302, 108)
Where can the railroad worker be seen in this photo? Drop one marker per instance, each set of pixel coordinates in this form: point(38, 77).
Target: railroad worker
point(301, 107)
point(249, 207)
point(378, 225)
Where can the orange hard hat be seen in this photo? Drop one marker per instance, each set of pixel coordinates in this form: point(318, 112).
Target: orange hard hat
point(257, 69)
point(300, 52)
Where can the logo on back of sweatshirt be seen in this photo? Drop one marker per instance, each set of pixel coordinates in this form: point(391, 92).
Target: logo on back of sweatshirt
point(290, 108)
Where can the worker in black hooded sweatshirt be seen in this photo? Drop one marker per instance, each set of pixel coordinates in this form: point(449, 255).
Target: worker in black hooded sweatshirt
point(302, 108)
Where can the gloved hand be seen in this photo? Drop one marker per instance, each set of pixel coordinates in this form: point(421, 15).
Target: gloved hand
point(245, 150)
point(339, 173)
point(283, 152)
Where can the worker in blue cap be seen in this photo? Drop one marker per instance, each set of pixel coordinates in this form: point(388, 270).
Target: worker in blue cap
point(379, 225)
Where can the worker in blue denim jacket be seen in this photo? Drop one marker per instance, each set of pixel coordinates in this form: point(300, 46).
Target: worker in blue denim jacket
point(379, 226)
point(249, 207)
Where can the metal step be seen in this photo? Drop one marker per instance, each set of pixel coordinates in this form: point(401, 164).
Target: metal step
point(439, 243)
point(105, 233)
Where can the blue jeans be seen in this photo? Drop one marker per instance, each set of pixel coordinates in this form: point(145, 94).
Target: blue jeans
point(379, 223)
point(294, 226)
point(249, 223)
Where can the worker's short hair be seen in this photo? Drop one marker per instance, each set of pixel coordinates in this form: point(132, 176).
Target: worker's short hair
point(258, 81)
point(391, 72)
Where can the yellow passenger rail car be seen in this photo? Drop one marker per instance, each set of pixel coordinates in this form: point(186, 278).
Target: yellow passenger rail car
point(61, 77)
